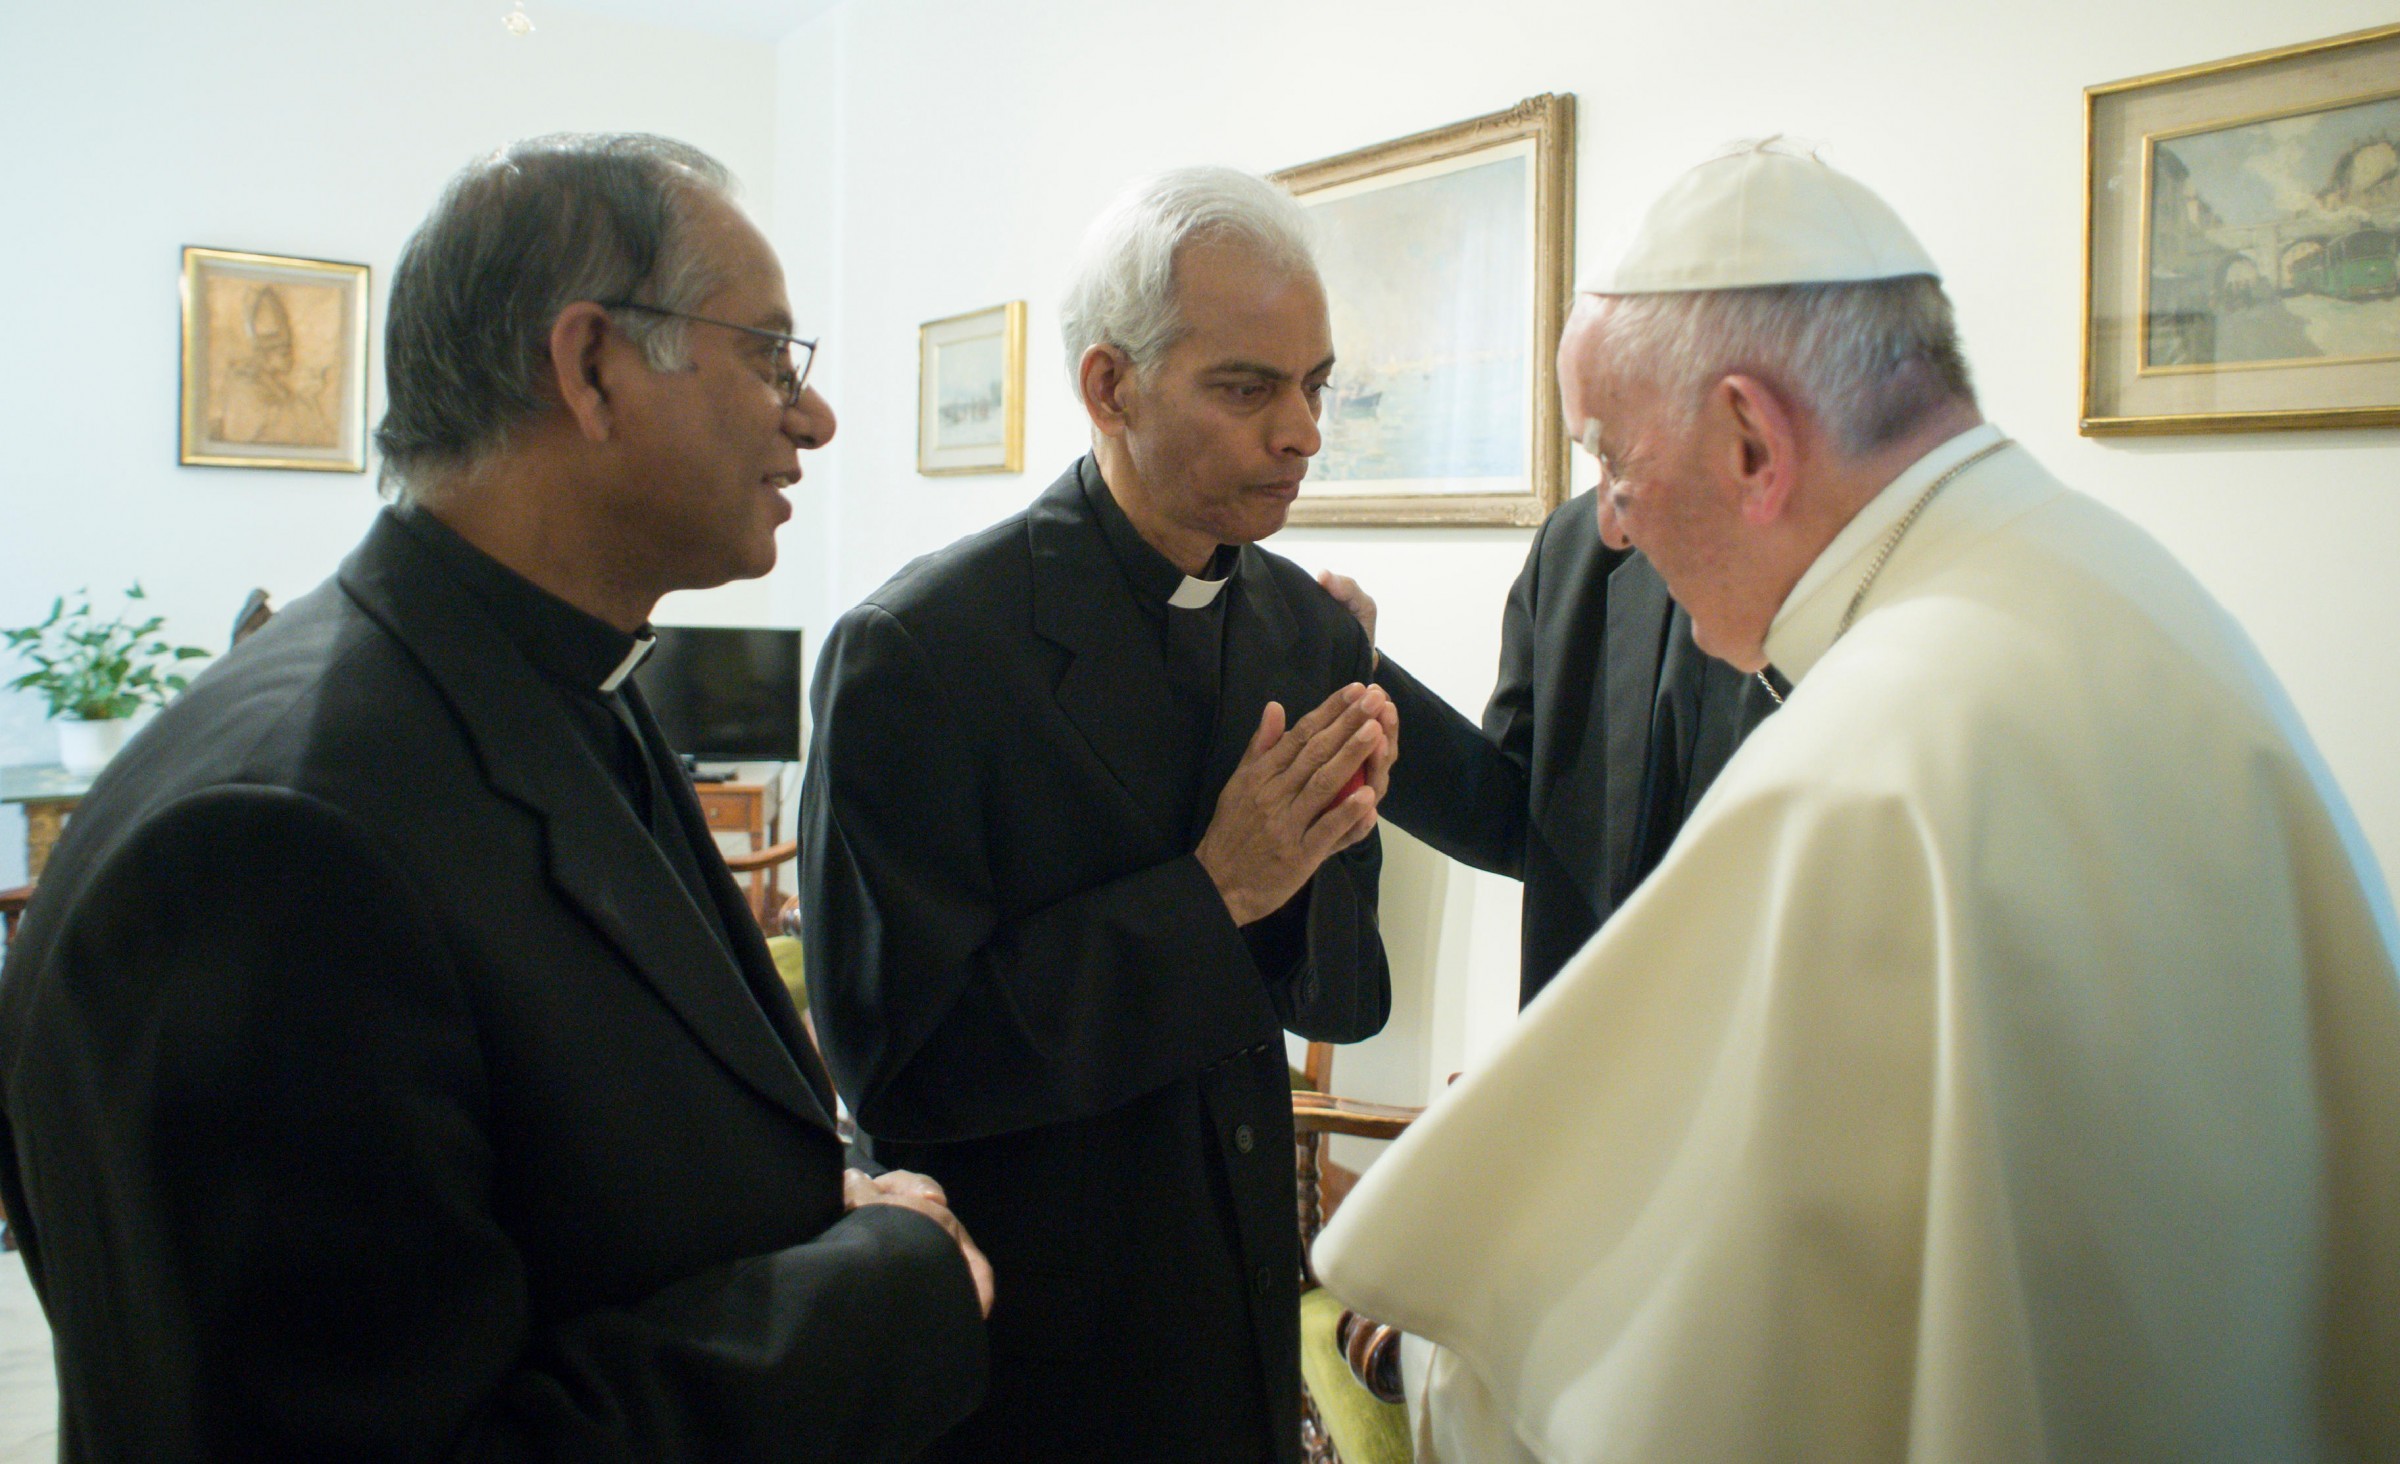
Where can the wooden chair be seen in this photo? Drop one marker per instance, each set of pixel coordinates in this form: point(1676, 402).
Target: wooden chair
point(12, 907)
point(1371, 1350)
point(777, 913)
point(782, 926)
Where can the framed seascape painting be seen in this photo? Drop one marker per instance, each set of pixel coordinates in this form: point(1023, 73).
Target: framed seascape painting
point(274, 362)
point(2241, 220)
point(971, 392)
point(1445, 259)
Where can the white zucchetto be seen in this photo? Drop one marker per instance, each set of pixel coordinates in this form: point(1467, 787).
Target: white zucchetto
point(1766, 214)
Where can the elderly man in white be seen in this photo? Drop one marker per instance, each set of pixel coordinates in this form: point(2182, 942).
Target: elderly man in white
point(2005, 1063)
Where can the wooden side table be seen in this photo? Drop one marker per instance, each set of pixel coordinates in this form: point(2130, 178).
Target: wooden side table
point(49, 793)
point(747, 808)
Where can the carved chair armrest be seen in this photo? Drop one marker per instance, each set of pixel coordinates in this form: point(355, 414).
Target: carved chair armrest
point(12, 905)
point(1323, 1113)
point(766, 858)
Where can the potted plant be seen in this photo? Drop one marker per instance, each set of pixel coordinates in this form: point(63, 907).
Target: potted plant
point(96, 674)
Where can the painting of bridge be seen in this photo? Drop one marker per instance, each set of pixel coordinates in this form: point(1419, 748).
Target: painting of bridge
point(2272, 241)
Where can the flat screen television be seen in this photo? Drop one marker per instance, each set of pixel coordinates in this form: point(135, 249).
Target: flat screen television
point(726, 694)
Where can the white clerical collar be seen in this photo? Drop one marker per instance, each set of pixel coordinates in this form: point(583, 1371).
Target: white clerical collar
point(643, 643)
point(1811, 616)
point(1196, 593)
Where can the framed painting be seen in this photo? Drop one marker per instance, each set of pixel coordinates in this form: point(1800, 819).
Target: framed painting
point(2240, 224)
point(971, 392)
point(1445, 259)
point(274, 362)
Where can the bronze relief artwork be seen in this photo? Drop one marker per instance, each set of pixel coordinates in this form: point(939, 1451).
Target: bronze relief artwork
point(274, 361)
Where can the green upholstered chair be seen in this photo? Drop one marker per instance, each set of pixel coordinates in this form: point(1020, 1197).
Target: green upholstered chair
point(1358, 1427)
point(786, 951)
point(1344, 1420)
point(782, 925)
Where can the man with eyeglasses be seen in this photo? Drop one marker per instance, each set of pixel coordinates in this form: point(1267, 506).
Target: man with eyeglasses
point(391, 1066)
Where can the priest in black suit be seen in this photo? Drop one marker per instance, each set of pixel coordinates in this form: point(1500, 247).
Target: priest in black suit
point(1605, 727)
point(391, 1068)
point(1068, 876)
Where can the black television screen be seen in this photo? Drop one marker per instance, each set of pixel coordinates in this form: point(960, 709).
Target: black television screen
point(724, 694)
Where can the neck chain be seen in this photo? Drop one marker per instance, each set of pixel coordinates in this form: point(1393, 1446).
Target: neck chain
point(1891, 541)
point(1900, 530)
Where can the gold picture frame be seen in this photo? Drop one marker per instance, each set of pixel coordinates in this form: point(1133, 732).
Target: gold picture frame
point(2240, 220)
point(1445, 257)
point(971, 392)
point(274, 362)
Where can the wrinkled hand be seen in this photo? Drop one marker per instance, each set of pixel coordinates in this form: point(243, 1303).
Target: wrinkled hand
point(1352, 597)
point(1379, 762)
point(912, 1191)
point(1277, 818)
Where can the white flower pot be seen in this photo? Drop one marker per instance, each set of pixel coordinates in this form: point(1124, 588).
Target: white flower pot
point(84, 748)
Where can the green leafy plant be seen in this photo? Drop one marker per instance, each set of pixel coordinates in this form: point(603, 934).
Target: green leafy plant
point(95, 669)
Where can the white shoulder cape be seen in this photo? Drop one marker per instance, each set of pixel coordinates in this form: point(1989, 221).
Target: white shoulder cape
point(2005, 1063)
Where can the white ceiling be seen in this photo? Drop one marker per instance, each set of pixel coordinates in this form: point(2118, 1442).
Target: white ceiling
point(764, 20)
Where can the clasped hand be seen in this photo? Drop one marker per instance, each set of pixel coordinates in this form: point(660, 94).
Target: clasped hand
point(912, 1191)
point(1277, 818)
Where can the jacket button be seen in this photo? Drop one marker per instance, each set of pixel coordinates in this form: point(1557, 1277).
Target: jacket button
point(1263, 1281)
point(1243, 1138)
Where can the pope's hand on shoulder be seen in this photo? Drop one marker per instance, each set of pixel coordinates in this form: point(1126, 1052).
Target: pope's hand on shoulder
point(1353, 597)
point(1284, 812)
point(912, 1191)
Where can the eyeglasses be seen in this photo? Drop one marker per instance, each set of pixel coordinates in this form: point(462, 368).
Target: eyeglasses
point(787, 380)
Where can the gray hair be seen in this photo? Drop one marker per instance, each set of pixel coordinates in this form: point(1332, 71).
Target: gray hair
point(1122, 292)
point(1870, 359)
point(515, 238)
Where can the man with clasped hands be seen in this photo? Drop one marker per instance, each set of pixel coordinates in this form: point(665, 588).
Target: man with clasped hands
point(1088, 825)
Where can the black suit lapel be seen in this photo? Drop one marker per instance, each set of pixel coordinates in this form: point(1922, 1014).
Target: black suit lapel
point(1638, 614)
point(601, 859)
point(1082, 604)
point(732, 910)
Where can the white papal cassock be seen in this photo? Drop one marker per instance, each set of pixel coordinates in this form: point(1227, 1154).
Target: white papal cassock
point(2005, 1064)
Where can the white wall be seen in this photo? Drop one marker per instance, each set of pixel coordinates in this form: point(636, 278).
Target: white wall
point(311, 127)
point(916, 158)
point(966, 144)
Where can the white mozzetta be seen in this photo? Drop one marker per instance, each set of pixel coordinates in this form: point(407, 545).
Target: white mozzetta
point(2005, 1064)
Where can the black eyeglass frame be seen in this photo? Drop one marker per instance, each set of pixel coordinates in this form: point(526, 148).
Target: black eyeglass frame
point(799, 379)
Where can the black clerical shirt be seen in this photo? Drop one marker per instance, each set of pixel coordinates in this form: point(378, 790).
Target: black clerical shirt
point(1699, 715)
point(1192, 642)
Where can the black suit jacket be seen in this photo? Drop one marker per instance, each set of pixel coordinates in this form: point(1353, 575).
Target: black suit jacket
point(374, 1089)
point(1565, 786)
point(1029, 988)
